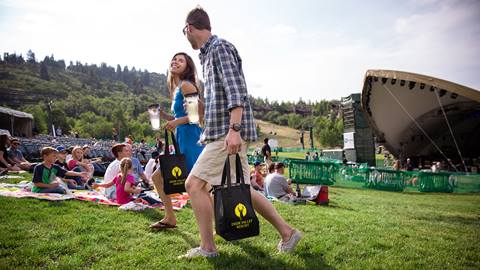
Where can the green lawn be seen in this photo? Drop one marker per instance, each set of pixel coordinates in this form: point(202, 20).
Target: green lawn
point(360, 229)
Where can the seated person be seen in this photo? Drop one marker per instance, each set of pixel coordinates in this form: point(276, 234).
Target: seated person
point(152, 165)
point(73, 182)
point(138, 173)
point(256, 177)
point(78, 163)
point(276, 185)
point(119, 151)
point(6, 164)
point(98, 170)
point(87, 154)
point(125, 185)
point(16, 156)
point(45, 174)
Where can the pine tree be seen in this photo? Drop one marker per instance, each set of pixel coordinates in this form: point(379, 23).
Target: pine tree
point(31, 57)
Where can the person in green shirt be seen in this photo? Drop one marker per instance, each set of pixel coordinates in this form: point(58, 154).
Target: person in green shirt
point(45, 174)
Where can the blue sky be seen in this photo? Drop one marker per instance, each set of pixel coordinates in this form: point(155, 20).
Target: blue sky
point(311, 50)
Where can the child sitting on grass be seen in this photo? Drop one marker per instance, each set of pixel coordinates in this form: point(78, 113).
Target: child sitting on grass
point(45, 174)
point(125, 185)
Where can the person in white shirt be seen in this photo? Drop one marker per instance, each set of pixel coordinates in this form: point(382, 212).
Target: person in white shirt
point(276, 185)
point(152, 166)
point(119, 151)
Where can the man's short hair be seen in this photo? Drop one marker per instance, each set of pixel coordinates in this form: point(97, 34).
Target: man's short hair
point(47, 151)
point(14, 140)
point(155, 154)
point(198, 17)
point(279, 165)
point(271, 167)
point(117, 148)
point(265, 140)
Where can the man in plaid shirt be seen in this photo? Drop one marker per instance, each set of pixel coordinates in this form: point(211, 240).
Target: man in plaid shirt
point(229, 125)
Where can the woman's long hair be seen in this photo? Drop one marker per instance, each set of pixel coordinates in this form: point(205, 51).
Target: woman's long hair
point(190, 74)
point(125, 165)
point(74, 155)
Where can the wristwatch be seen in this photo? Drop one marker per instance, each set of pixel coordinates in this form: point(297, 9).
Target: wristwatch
point(236, 127)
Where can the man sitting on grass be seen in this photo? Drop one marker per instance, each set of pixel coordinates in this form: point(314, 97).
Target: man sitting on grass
point(45, 174)
point(276, 185)
point(16, 155)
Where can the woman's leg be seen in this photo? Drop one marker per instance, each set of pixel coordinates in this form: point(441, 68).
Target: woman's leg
point(169, 217)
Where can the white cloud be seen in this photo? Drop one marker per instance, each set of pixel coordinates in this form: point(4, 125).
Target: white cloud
point(301, 57)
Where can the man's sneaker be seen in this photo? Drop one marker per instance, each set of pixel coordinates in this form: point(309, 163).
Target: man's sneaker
point(290, 245)
point(198, 252)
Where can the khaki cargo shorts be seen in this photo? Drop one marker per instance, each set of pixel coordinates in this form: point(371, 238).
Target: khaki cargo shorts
point(210, 163)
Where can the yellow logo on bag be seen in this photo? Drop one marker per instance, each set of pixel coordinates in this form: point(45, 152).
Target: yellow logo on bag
point(240, 210)
point(176, 172)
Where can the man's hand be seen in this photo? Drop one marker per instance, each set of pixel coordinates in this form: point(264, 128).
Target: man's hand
point(233, 142)
point(55, 184)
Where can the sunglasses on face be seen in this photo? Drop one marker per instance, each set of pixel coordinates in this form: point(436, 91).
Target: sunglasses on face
point(184, 30)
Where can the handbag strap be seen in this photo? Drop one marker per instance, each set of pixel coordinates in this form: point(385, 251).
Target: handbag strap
point(167, 145)
point(226, 176)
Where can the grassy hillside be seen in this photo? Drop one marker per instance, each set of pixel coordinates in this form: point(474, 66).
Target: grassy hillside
point(286, 136)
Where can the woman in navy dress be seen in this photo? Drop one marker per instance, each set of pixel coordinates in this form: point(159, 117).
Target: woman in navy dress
point(181, 82)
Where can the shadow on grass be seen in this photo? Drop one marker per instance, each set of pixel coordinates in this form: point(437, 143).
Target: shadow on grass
point(152, 214)
point(259, 259)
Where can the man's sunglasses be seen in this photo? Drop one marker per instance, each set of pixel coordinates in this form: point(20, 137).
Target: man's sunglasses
point(184, 30)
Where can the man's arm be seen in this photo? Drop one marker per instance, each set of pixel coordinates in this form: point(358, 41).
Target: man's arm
point(233, 140)
point(84, 175)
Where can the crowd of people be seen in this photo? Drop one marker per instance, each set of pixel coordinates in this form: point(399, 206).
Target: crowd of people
point(469, 165)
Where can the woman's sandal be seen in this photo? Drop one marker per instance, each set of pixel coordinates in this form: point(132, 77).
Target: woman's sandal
point(162, 225)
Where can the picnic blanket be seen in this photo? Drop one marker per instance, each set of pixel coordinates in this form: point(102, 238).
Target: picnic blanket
point(21, 190)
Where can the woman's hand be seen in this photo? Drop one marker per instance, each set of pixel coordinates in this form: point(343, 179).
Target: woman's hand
point(171, 125)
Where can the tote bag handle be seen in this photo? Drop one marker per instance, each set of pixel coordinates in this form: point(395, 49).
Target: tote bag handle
point(226, 176)
point(167, 145)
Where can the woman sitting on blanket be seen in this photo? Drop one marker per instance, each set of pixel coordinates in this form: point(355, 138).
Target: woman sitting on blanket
point(78, 163)
point(125, 185)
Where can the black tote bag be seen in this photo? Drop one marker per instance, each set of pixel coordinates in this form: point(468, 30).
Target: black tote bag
point(173, 168)
point(235, 217)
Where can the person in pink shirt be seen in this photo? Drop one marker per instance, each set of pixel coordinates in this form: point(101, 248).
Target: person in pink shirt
point(125, 185)
point(79, 162)
point(256, 178)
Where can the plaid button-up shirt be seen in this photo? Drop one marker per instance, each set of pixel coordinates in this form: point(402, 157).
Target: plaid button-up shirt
point(225, 89)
